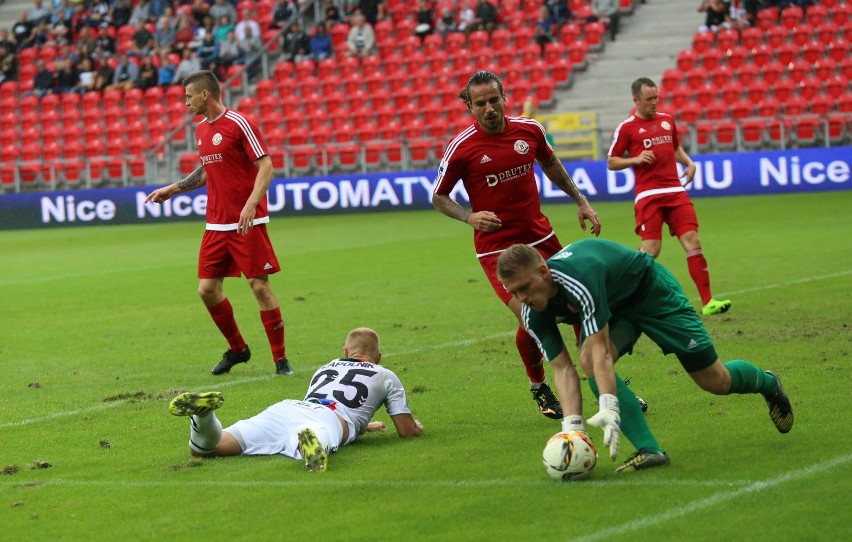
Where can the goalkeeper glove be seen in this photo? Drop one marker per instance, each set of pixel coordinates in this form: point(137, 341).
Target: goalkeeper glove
point(609, 420)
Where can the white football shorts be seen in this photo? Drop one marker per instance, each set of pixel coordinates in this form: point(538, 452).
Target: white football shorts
point(276, 429)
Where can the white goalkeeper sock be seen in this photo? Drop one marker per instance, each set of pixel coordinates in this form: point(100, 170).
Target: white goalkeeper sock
point(204, 432)
point(574, 423)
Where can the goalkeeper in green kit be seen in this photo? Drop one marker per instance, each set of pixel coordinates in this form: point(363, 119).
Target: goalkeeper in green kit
point(617, 293)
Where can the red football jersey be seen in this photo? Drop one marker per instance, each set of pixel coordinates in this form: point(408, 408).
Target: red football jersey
point(498, 175)
point(228, 147)
point(658, 134)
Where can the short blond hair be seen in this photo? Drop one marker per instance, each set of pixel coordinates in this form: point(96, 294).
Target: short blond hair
point(364, 341)
point(517, 258)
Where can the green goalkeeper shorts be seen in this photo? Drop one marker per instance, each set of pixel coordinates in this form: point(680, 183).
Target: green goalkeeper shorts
point(666, 316)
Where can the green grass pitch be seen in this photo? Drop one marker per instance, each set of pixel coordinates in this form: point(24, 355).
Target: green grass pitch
point(102, 326)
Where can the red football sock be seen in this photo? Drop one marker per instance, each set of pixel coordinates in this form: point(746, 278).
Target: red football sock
point(274, 326)
point(530, 354)
point(223, 315)
point(700, 275)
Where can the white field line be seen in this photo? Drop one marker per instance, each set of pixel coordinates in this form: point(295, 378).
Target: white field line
point(426, 348)
point(711, 501)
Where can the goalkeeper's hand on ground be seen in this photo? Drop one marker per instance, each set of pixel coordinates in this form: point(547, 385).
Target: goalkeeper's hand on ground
point(609, 420)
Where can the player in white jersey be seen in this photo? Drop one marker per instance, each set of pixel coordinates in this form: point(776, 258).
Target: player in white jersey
point(343, 396)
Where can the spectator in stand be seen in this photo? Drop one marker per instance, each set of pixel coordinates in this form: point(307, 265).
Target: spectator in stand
point(250, 47)
point(126, 73)
point(66, 77)
point(188, 64)
point(224, 26)
point(296, 43)
point(544, 26)
point(229, 50)
point(715, 15)
point(467, 17)
point(320, 45)
point(606, 11)
point(200, 11)
point(184, 34)
point(332, 12)
point(207, 26)
point(207, 52)
point(6, 40)
point(485, 16)
point(120, 12)
point(22, 31)
point(247, 22)
point(104, 75)
point(42, 35)
point(223, 7)
point(64, 12)
point(86, 40)
point(361, 40)
point(38, 14)
point(285, 13)
point(166, 29)
point(446, 22)
point(425, 18)
point(43, 81)
point(373, 10)
point(148, 74)
point(348, 7)
point(104, 43)
point(85, 75)
point(219, 71)
point(141, 14)
point(167, 69)
point(560, 11)
point(737, 15)
point(144, 40)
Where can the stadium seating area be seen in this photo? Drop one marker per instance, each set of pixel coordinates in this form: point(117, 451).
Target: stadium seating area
point(392, 110)
point(784, 82)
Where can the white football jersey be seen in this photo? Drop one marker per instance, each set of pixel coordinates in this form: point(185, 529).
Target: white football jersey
point(357, 389)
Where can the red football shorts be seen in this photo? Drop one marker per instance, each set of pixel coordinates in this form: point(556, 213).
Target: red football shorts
point(227, 254)
point(676, 211)
point(546, 248)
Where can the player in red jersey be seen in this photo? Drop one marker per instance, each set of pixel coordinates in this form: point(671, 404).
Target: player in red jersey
point(648, 142)
point(494, 158)
point(237, 170)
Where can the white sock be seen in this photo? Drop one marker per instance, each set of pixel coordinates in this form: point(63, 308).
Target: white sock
point(574, 423)
point(204, 432)
point(537, 385)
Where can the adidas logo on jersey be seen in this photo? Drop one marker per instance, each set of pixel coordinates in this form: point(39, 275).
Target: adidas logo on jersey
point(267, 266)
point(485, 159)
point(692, 344)
point(641, 130)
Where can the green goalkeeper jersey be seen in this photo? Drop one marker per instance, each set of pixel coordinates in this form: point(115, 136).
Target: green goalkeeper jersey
point(597, 279)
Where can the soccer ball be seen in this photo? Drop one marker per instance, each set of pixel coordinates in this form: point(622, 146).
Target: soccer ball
point(569, 456)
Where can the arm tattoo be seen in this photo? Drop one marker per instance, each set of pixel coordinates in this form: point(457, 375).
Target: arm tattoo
point(191, 181)
point(563, 180)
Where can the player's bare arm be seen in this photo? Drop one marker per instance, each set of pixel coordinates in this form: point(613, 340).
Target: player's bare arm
point(596, 359)
point(558, 175)
point(617, 163)
point(194, 180)
point(684, 160)
point(567, 383)
point(481, 221)
point(261, 185)
point(407, 426)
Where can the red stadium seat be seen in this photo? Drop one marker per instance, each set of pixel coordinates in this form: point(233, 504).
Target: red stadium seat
point(702, 41)
point(822, 104)
point(794, 105)
point(752, 133)
point(787, 52)
point(817, 14)
point(736, 57)
point(742, 108)
point(725, 39)
point(751, 37)
point(725, 136)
